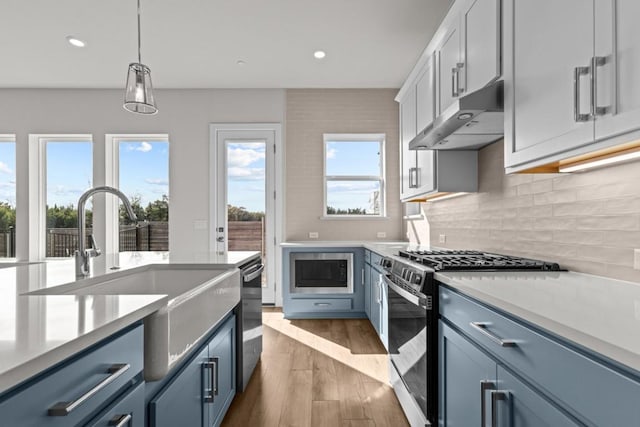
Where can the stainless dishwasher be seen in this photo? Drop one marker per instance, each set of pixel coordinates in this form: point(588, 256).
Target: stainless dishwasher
point(249, 317)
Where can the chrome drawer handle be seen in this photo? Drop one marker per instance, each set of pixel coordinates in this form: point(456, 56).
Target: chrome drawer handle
point(482, 328)
point(321, 304)
point(578, 72)
point(120, 420)
point(253, 273)
point(62, 409)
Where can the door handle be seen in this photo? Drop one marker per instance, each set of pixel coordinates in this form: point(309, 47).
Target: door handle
point(220, 239)
point(578, 72)
point(596, 61)
point(484, 386)
point(120, 420)
point(496, 397)
point(209, 393)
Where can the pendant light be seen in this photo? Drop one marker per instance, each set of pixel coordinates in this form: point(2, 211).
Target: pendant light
point(138, 96)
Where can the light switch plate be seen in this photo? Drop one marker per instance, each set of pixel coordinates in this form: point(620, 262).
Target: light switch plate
point(442, 238)
point(381, 234)
point(313, 235)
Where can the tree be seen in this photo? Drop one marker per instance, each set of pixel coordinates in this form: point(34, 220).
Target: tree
point(137, 209)
point(158, 210)
point(235, 213)
point(7, 216)
point(349, 211)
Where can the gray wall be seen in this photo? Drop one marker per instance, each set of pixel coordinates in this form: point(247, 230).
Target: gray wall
point(310, 114)
point(588, 222)
point(184, 114)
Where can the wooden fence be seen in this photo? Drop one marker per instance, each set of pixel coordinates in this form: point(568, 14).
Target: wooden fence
point(151, 236)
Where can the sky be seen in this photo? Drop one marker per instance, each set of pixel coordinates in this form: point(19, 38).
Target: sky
point(246, 175)
point(144, 170)
point(359, 158)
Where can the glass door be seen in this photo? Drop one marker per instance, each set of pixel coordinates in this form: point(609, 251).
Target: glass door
point(245, 205)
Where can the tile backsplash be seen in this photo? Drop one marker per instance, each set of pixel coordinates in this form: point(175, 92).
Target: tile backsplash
point(587, 222)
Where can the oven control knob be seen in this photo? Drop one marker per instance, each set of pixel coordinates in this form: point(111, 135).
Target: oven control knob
point(417, 279)
point(385, 263)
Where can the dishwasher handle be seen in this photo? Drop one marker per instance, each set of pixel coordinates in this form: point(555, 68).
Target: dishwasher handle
point(252, 273)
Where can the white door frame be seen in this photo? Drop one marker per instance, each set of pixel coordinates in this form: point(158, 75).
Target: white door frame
point(274, 179)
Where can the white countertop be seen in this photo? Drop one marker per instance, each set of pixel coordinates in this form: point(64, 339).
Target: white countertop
point(383, 248)
point(38, 331)
point(597, 313)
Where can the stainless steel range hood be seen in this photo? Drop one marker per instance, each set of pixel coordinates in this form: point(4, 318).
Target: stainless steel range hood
point(470, 123)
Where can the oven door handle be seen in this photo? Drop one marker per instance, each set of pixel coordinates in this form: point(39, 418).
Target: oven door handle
point(252, 273)
point(413, 299)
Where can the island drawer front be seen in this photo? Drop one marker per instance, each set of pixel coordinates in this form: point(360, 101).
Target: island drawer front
point(128, 411)
point(322, 304)
point(577, 382)
point(102, 369)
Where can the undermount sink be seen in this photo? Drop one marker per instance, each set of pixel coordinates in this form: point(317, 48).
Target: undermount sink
point(199, 297)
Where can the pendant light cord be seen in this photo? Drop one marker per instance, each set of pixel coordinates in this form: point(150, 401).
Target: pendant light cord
point(139, 57)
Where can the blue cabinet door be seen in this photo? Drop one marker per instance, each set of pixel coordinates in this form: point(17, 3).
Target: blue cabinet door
point(375, 300)
point(220, 378)
point(383, 331)
point(180, 403)
point(367, 289)
point(463, 371)
point(523, 407)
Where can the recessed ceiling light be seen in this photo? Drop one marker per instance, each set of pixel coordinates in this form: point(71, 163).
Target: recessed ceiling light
point(319, 54)
point(240, 62)
point(74, 41)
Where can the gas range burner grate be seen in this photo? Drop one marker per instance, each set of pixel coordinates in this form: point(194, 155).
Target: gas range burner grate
point(460, 260)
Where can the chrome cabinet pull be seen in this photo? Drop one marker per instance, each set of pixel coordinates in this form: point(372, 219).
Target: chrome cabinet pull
point(362, 281)
point(578, 72)
point(120, 420)
point(496, 397)
point(208, 392)
point(482, 328)
point(459, 89)
point(454, 71)
point(413, 177)
point(214, 380)
point(596, 61)
point(62, 409)
point(253, 273)
point(484, 386)
point(321, 304)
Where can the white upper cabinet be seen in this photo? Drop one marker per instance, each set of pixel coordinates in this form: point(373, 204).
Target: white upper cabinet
point(571, 79)
point(407, 133)
point(617, 67)
point(450, 67)
point(482, 57)
point(425, 97)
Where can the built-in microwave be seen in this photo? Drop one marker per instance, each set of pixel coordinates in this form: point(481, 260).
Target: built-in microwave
point(321, 272)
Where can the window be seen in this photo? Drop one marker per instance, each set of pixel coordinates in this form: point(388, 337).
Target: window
point(69, 173)
point(7, 196)
point(143, 176)
point(354, 175)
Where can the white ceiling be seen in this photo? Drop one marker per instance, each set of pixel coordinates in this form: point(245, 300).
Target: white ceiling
point(196, 43)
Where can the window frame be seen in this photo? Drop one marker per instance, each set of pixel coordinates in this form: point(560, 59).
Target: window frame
point(355, 137)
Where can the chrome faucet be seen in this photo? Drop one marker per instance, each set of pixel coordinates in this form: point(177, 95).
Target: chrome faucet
point(83, 254)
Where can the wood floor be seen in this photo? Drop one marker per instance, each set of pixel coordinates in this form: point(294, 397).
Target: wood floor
point(318, 373)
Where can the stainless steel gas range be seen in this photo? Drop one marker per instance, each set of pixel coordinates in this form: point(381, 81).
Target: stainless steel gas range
point(413, 319)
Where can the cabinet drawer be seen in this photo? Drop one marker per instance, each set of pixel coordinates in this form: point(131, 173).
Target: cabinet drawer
point(113, 365)
point(581, 383)
point(128, 411)
point(367, 256)
point(326, 304)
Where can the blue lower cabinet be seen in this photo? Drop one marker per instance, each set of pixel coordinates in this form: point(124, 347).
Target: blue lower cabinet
point(368, 279)
point(75, 391)
point(202, 391)
point(127, 411)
